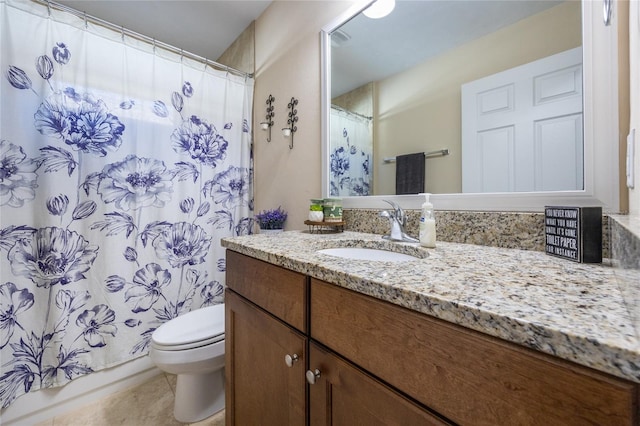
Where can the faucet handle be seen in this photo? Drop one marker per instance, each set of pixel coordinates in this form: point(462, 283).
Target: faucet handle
point(392, 204)
point(398, 212)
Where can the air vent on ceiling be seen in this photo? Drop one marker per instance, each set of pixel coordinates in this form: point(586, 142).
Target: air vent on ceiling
point(339, 38)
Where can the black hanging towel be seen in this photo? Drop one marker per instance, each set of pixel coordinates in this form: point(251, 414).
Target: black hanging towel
point(410, 173)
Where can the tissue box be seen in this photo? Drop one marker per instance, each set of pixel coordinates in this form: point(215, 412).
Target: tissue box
point(574, 233)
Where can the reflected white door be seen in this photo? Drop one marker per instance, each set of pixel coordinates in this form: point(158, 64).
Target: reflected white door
point(522, 128)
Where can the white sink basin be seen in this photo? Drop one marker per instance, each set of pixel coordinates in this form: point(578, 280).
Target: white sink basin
point(368, 254)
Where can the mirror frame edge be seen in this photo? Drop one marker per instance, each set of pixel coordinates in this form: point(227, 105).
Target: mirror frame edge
point(600, 88)
point(325, 84)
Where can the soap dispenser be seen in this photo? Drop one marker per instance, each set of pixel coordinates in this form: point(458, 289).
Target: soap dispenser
point(427, 224)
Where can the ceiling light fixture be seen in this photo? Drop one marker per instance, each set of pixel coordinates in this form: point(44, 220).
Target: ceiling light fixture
point(379, 9)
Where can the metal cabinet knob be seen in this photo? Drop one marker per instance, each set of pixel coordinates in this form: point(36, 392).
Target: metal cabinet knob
point(291, 359)
point(312, 376)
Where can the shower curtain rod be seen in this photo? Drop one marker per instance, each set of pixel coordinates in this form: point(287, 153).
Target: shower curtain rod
point(150, 40)
point(339, 108)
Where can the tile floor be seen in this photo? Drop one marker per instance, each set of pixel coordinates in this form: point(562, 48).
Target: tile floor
point(150, 403)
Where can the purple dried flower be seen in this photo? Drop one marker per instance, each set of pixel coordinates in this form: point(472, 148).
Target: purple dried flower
point(271, 219)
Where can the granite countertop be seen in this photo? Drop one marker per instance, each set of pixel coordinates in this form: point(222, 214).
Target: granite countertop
point(569, 310)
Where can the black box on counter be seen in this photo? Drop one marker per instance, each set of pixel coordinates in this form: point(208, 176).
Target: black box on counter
point(574, 233)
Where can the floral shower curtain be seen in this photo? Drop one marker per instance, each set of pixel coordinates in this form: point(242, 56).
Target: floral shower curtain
point(121, 167)
point(351, 153)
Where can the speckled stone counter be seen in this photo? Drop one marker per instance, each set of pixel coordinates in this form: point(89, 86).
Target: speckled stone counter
point(569, 310)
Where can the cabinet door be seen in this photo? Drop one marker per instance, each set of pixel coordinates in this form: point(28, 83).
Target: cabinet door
point(261, 389)
point(343, 395)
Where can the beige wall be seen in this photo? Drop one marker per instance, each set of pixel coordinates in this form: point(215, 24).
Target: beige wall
point(419, 109)
point(288, 65)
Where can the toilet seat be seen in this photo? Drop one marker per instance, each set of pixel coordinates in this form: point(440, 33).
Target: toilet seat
point(197, 328)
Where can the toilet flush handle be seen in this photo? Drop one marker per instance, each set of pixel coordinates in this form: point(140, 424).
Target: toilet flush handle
point(291, 359)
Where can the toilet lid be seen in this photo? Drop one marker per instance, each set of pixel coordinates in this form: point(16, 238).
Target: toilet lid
point(193, 327)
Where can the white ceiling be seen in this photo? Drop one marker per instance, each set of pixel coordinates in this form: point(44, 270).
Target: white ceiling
point(416, 31)
point(204, 27)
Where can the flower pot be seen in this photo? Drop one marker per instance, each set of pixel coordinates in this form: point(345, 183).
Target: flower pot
point(271, 231)
point(316, 216)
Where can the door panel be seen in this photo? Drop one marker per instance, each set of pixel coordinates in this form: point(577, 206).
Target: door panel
point(497, 157)
point(260, 388)
point(540, 102)
point(557, 139)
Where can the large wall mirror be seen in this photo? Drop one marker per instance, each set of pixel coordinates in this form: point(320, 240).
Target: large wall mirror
point(490, 105)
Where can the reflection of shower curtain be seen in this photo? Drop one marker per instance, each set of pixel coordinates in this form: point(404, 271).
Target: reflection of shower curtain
point(120, 170)
point(351, 153)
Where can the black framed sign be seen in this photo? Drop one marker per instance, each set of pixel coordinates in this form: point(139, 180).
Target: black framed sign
point(574, 233)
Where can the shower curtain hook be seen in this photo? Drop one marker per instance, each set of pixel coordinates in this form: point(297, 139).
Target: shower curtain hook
point(181, 55)
point(206, 62)
point(86, 25)
point(122, 32)
point(49, 8)
point(154, 45)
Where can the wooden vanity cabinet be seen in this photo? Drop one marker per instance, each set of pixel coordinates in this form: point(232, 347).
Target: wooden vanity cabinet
point(379, 363)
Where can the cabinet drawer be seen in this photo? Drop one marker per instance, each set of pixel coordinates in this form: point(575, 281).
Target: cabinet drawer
point(464, 375)
point(280, 291)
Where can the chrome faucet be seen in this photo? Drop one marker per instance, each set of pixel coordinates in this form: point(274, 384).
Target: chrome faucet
point(398, 220)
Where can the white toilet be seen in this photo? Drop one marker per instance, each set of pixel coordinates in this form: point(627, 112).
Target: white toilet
point(192, 346)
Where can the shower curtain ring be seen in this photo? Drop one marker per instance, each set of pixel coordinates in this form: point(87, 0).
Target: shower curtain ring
point(154, 46)
point(49, 8)
point(86, 25)
point(122, 33)
point(181, 55)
